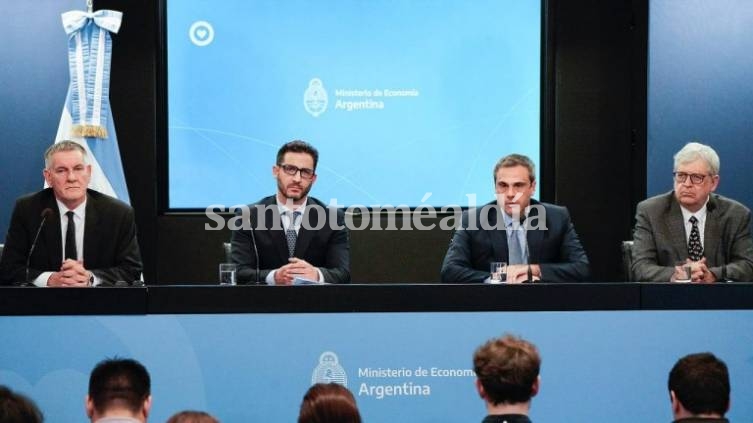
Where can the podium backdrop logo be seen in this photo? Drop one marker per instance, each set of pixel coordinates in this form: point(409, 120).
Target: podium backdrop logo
point(315, 98)
point(329, 370)
point(201, 33)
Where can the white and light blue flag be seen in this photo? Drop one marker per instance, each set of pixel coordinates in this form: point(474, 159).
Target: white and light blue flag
point(87, 118)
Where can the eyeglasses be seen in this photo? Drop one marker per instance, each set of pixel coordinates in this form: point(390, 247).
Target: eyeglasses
point(291, 170)
point(695, 178)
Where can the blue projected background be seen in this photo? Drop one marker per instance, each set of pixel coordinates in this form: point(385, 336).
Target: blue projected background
point(597, 366)
point(700, 87)
point(407, 97)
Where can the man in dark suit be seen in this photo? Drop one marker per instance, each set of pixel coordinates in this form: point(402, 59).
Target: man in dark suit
point(292, 235)
point(87, 238)
point(537, 240)
point(693, 226)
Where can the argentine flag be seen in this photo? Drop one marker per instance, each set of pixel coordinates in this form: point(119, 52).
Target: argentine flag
point(87, 118)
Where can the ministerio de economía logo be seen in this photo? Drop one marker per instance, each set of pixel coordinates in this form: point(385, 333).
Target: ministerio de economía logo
point(315, 98)
point(329, 370)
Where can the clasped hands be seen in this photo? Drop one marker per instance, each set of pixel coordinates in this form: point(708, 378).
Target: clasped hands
point(699, 272)
point(518, 273)
point(71, 274)
point(296, 268)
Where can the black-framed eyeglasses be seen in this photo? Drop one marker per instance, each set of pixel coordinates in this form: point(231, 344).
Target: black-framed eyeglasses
point(695, 178)
point(291, 170)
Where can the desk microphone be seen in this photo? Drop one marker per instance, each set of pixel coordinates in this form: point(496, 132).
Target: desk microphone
point(256, 254)
point(529, 275)
point(45, 214)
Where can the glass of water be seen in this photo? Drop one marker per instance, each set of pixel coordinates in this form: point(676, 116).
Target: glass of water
point(498, 272)
point(227, 273)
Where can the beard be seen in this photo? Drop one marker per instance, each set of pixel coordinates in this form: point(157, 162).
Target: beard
point(303, 190)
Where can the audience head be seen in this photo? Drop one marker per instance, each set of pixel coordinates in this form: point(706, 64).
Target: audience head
point(507, 371)
point(16, 408)
point(329, 403)
point(192, 417)
point(699, 386)
point(119, 387)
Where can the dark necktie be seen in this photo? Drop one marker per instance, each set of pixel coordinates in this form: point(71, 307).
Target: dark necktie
point(695, 249)
point(290, 233)
point(70, 238)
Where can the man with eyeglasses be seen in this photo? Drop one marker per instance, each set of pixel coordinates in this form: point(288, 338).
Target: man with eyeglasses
point(292, 237)
point(537, 240)
point(693, 227)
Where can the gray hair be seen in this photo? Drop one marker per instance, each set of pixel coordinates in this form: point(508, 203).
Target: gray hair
point(65, 145)
point(694, 151)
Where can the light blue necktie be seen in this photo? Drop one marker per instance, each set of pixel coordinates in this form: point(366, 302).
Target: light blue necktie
point(515, 253)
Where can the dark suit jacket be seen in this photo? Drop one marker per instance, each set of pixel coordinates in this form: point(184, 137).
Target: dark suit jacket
point(556, 250)
point(326, 248)
point(110, 248)
point(660, 239)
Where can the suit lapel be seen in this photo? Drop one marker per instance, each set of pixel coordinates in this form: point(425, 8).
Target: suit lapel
point(497, 236)
point(53, 237)
point(305, 235)
point(676, 229)
point(711, 234)
point(92, 234)
point(273, 220)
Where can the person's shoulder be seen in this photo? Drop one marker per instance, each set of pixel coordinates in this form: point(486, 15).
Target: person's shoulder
point(36, 199)
point(551, 209)
point(266, 201)
point(102, 200)
point(728, 205)
point(657, 202)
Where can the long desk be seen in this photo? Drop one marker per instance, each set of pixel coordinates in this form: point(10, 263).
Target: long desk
point(374, 298)
point(247, 353)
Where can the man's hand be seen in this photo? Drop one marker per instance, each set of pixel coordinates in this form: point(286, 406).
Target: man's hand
point(700, 273)
point(517, 273)
point(71, 274)
point(296, 268)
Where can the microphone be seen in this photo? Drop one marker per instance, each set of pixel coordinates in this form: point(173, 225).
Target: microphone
point(47, 212)
point(529, 275)
point(256, 254)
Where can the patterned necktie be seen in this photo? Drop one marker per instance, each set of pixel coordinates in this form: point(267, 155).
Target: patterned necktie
point(70, 238)
point(515, 253)
point(290, 234)
point(695, 249)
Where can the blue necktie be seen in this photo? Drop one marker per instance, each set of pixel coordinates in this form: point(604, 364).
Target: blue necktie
point(515, 253)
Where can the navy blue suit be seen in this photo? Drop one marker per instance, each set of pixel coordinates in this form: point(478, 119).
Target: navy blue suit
point(325, 248)
point(556, 250)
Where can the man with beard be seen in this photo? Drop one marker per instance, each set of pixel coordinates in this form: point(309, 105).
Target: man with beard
point(692, 225)
point(290, 235)
point(537, 240)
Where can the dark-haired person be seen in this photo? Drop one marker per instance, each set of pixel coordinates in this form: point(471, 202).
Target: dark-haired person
point(88, 238)
point(530, 236)
point(190, 416)
point(699, 389)
point(330, 403)
point(119, 392)
point(293, 234)
point(507, 377)
point(16, 408)
point(691, 224)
